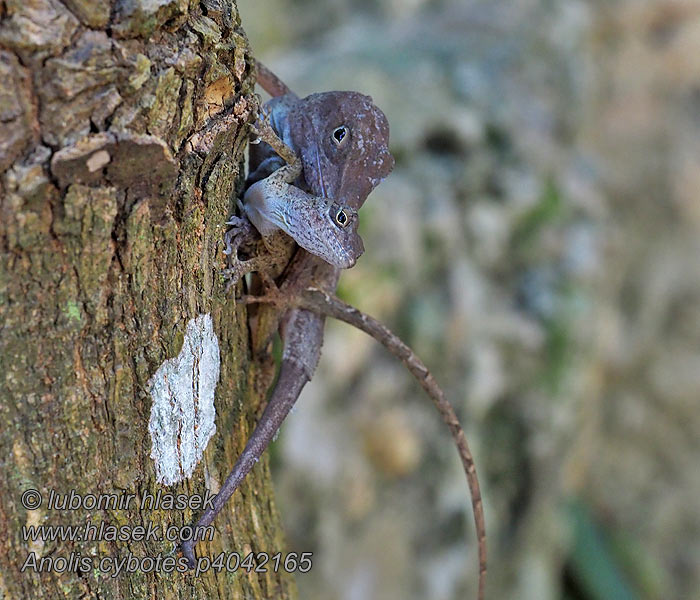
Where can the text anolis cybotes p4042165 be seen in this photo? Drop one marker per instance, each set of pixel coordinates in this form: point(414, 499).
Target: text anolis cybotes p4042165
point(322, 156)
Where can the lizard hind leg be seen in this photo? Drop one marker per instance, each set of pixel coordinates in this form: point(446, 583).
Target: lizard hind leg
point(273, 295)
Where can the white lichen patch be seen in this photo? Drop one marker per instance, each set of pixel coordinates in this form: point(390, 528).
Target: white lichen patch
point(183, 414)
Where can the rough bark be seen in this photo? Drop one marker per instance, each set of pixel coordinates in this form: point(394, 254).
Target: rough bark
point(121, 137)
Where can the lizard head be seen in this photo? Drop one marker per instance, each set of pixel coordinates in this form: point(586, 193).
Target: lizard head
point(351, 155)
point(330, 233)
point(319, 225)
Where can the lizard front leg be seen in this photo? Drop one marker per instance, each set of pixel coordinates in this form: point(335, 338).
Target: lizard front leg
point(272, 295)
point(244, 233)
point(319, 225)
point(265, 133)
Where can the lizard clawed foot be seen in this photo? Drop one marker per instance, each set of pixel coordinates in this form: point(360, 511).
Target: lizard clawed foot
point(260, 254)
point(241, 234)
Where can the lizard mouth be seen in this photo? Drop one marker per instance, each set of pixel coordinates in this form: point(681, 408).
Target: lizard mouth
point(347, 263)
point(348, 258)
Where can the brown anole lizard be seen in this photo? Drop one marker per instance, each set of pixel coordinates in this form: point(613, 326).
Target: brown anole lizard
point(339, 141)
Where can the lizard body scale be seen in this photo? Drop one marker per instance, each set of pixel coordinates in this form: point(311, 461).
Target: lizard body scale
point(275, 200)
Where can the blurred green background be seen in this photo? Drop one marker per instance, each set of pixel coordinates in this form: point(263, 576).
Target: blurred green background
point(538, 244)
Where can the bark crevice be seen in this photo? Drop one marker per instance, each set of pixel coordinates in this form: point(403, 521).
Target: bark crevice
point(111, 225)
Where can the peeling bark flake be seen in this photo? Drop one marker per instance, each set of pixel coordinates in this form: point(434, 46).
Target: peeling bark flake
point(183, 413)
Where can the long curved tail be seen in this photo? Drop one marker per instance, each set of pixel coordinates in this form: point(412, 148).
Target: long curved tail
point(327, 304)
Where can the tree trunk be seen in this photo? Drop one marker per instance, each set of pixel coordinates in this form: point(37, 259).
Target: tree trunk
point(121, 137)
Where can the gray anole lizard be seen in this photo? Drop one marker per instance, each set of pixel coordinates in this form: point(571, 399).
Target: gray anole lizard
point(341, 140)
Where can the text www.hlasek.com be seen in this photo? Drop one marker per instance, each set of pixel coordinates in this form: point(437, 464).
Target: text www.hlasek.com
point(260, 562)
point(90, 532)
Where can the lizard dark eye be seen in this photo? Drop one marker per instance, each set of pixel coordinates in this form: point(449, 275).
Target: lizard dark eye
point(341, 218)
point(340, 134)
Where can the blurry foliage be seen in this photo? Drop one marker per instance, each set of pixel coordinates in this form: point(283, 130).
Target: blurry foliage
point(548, 208)
point(537, 245)
point(593, 563)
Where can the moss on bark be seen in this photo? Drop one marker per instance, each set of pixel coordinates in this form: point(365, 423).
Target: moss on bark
point(112, 209)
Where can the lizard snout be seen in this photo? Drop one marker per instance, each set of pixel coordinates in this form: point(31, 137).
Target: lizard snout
point(352, 250)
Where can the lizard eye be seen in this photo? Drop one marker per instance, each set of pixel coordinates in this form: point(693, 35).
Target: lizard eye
point(341, 218)
point(340, 135)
